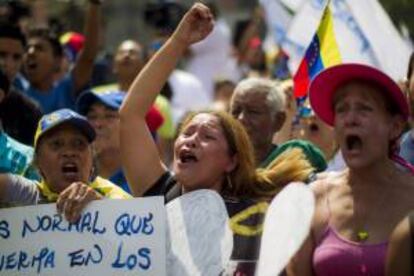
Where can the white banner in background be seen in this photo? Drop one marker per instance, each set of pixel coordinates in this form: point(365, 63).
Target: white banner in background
point(363, 30)
point(277, 17)
point(293, 5)
point(112, 237)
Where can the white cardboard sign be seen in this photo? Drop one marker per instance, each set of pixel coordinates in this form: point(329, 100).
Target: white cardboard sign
point(199, 240)
point(287, 224)
point(112, 237)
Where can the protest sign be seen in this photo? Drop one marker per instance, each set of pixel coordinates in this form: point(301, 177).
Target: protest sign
point(112, 237)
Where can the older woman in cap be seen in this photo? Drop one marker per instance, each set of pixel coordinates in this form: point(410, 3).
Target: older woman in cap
point(64, 158)
point(358, 208)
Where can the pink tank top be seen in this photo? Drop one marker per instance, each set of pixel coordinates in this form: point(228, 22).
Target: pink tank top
point(337, 256)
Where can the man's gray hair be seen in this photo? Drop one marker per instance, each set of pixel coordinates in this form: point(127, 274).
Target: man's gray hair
point(276, 98)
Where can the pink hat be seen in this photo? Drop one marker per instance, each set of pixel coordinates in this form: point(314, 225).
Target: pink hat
point(324, 85)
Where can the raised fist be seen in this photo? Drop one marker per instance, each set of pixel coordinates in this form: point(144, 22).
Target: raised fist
point(195, 25)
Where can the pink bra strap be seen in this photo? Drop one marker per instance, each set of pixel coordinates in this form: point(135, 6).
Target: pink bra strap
point(397, 158)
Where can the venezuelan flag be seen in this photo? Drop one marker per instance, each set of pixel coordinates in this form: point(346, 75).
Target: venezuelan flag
point(322, 53)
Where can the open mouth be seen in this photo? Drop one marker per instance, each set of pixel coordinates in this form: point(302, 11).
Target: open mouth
point(187, 157)
point(126, 61)
point(353, 142)
point(70, 169)
point(31, 65)
point(313, 128)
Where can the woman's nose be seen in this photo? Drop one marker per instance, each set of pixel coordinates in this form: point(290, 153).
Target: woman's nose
point(68, 152)
point(30, 50)
point(191, 141)
point(350, 118)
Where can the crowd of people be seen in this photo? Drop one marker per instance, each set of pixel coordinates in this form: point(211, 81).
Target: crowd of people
point(235, 128)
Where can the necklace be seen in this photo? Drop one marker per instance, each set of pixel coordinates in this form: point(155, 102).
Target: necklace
point(362, 235)
point(365, 216)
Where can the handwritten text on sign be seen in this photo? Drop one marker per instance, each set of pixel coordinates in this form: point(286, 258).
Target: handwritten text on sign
point(111, 237)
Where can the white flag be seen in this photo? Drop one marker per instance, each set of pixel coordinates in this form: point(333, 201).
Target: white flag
point(388, 45)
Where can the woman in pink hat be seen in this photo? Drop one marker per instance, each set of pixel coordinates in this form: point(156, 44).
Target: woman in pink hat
point(358, 208)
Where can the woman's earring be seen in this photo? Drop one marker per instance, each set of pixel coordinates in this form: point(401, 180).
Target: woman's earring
point(229, 184)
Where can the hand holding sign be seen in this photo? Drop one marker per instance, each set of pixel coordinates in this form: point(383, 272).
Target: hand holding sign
point(200, 241)
point(286, 226)
point(74, 198)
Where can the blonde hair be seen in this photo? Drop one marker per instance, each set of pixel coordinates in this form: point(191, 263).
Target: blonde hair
point(245, 179)
point(289, 166)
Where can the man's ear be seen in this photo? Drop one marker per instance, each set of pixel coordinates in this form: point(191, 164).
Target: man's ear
point(278, 121)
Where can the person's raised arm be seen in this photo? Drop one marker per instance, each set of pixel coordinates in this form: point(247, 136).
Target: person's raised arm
point(140, 158)
point(82, 71)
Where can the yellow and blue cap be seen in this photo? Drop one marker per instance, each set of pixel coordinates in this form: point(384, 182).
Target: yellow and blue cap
point(110, 98)
point(63, 116)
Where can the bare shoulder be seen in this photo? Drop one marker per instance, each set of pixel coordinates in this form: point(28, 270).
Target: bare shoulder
point(326, 182)
point(402, 230)
point(323, 187)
